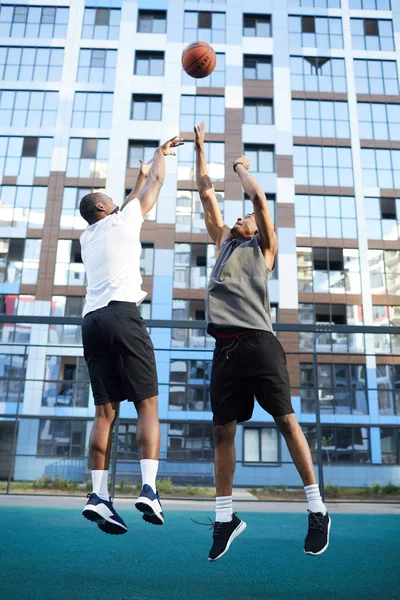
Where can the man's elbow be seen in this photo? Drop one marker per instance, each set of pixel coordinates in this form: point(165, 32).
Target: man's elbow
point(259, 198)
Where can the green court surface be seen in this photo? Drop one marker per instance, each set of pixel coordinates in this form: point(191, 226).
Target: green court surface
point(55, 554)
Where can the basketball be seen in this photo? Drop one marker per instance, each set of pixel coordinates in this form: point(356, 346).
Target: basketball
point(199, 60)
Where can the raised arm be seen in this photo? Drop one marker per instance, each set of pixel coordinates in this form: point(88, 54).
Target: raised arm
point(148, 196)
point(140, 182)
point(217, 230)
point(265, 225)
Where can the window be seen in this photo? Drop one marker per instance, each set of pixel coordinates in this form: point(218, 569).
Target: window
point(195, 109)
point(66, 306)
point(372, 34)
point(381, 168)
point(70, 215)
point(215, 156)
point(342, 388)
point(257, 25)
point(376, 77)
point(28, 109)
point(328, 270)
point(388, 378)
point(147, 259)
point(379, 121)
point(370, 4)
point(97, 66)
point(316, 165)
point(257, 67)
point(66, 382)
point(101, 23)
point(69, 267)
point(326, 216)
point(19, 260)
point(190, 441)
point(193, 264)
point(316, 3)
point(384, 271)
point(335, 314)
point(260, 157)
point(149, 63)
point(12, 377)
point(386, 343)
point(146, 107)
point(140, 150)
point(126, 442)
point(315, 32)
point(87, 157)
point(260, 444)
point(145, 309)
point(92, 110)
point(205, 26)
point(390, 445)
point(258, 111)
point(189, 310)
point(189, 211)
point(22, 206)
point(14, 304)
point(30, 64)
point(383, 218)
point(215, 80)
point(316, 118)
point(61, 437)
point(340, 444)
point(189, 387)
point(152, 21)
point(316, 73)
point(33, 21)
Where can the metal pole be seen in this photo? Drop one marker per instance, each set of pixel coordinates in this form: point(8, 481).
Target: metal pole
point(318, 417)
point(114, 454)
point(14, 444)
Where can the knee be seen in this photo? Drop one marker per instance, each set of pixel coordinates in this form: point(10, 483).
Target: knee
point(287, 425)
point(105, 414)
point(224, 434)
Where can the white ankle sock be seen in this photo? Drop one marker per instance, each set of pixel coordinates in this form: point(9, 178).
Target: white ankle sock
point(100, 484)
point(223, 509)
point(314, 499)
point(149, 469)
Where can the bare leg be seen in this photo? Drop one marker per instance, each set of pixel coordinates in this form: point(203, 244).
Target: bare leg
point(225, 457)
point(298, 447)
point(148, 428)
point(101, 436)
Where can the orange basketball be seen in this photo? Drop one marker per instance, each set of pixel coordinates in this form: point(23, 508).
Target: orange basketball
point(199, 60)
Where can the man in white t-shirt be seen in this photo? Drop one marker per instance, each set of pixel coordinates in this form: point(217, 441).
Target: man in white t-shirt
point(117, 347)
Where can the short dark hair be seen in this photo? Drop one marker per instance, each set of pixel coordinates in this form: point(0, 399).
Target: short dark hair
point(87, 206)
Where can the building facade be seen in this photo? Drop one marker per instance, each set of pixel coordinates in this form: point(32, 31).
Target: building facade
point(309, 91)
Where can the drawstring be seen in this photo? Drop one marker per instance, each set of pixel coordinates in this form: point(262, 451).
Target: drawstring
point(232, 346)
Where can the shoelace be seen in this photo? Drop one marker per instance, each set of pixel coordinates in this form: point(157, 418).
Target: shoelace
point(316, 521)
point(216, 525)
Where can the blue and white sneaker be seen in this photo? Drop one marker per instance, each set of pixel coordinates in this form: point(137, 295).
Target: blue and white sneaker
point(149, 504)
point(104, 514)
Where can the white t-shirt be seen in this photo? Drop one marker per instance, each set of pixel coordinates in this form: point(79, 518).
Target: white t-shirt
point(111, 254)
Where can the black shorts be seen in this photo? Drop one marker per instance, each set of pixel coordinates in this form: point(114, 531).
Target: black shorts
point(253, 364)
point(119, 354)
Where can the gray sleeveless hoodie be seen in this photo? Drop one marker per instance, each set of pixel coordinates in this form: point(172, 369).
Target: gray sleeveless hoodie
point(237, 293)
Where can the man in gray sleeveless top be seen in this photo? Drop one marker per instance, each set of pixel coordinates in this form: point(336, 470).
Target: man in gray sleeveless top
point(249, 362)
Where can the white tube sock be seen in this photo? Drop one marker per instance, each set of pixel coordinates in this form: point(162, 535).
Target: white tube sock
point(100, 484)
point(223, 509)
point(314, 499)
point(149, 469)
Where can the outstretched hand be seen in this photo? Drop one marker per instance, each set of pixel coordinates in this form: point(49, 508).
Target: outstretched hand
point(199, 135)
point(172, 143)
point(145, 167)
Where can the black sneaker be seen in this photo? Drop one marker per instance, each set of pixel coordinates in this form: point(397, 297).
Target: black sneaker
point(224, 534)
point(149, 504)
point(317, 539)
point(104, 514)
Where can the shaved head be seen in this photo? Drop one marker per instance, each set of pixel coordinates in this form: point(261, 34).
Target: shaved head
point(96, 206)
